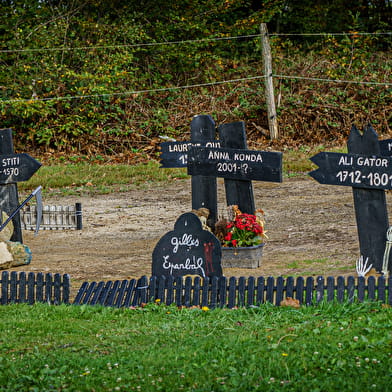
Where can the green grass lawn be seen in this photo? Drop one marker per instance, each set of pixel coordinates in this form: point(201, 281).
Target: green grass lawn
point(331, 347)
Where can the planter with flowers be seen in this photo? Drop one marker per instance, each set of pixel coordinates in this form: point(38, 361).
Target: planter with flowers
point(242, 237)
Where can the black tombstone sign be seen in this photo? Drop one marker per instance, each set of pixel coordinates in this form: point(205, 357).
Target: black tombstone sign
point(13, 168)
point(187, 250)
point(245, 165)
point(369, 174)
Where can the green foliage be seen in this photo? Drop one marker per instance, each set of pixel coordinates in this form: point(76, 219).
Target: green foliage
point(102, 76)
point(329, 347)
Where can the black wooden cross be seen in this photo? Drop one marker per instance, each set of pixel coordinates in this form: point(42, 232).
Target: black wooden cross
point(368, 173)
point(14, 168)
point(228, 157)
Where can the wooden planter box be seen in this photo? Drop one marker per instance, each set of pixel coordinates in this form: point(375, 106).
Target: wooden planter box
point(242, 257)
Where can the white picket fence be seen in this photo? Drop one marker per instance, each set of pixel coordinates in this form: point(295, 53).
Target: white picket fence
point(53, 217)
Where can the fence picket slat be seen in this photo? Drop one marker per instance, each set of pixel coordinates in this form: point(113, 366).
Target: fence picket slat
point(48, 287)
point(361, 288)
point(214, 292)
point(251, 291)
point(66, 288)
point(90, 293)
point(390, 290)
point(80, 293)
point(56, 299)
point(121, 292)
point(94, 293)
point(4, 287)
point(290, 287)
point(350, 289)
point(105, 293)
point(299, 291)
point(40, 287)
point(31, 288)
point(196, 291)
point(270, 289)
point(232, 292)
point(241, 291)
point(381, 289)
point(129, 292)
point(13, 287)
point(169, 290)
point(179, 290)
point(279, 290)
point(340, 289)
point(309, 290)
point(113, 293)
point(161, 289)
point(371, 288)
point(153, 289)
point(222, 291)
point(188, 290)
point(142, 290)
point(330, 288)
point(319, 289)
point(205, 292)
point(260, 291)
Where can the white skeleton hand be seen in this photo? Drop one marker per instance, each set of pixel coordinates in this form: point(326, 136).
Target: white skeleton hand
point(362, 267)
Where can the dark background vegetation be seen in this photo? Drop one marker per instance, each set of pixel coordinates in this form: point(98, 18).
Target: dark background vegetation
point(100, 78)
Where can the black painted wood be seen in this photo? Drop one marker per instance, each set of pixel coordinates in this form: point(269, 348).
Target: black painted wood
point(340, 289)
point(204, 188)
point(241, 291)
point(232, 292)
point(355, 170)
point(188, 291)
point(370, 204)
point(270, 289)
point(129, 293)
point(320, 286)
point(309, 290)
point(238, 192)
point(214, 292)
point(9, 199)
point(196, 291)
point(222, 291)
point(187, 250)
point(279, 290)
point(350, 289)
point(299, 292)
point(290, 287)
point(251, 291)
point(242, 165)
point(381, 289)
point(330, 288)
point(371, 288)
point(260, 290)
point(361, 288)
point(205, 300)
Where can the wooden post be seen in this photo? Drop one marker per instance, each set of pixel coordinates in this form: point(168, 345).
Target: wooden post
point(204, 189)
point(269, 87)
point(9, 199)
point(370, 204)
point(238, 192)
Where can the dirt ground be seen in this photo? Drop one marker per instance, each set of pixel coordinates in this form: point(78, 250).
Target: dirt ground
point(311, 229)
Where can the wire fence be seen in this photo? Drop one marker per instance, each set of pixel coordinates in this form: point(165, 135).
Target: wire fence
point(382, 84)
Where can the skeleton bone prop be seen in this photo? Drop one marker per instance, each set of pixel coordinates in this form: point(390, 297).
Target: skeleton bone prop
point(38, 196)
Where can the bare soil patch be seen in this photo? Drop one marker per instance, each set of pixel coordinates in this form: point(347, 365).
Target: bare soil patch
point(311, 229)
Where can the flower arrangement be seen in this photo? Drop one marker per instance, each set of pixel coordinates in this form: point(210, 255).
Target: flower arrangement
point(243, 230)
